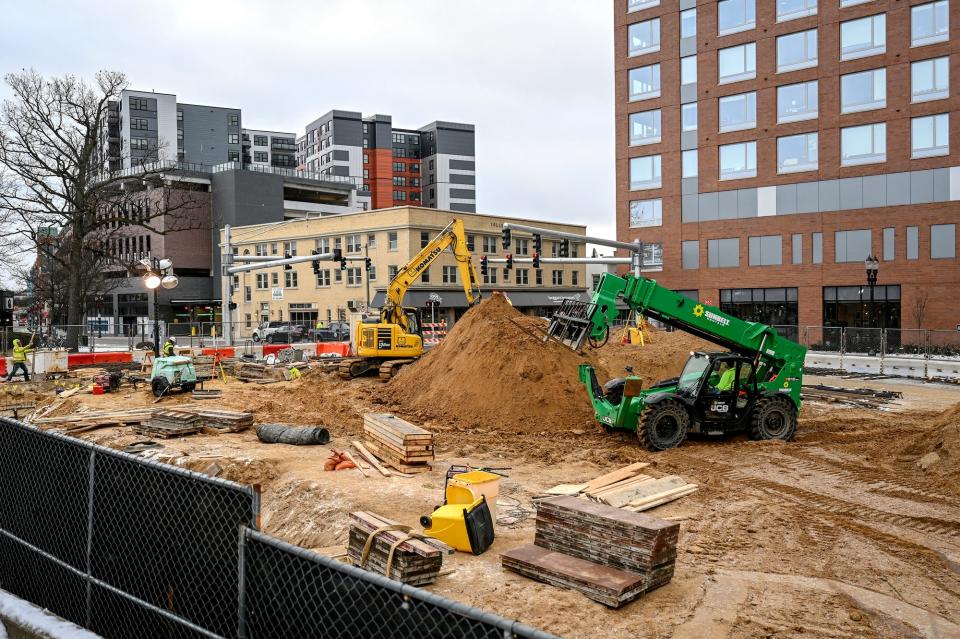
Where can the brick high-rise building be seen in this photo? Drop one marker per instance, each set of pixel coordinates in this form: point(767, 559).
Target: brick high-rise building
point(766, 148)
point(433, 166)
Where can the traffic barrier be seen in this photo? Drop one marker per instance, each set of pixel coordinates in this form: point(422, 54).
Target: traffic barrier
point(434, 332)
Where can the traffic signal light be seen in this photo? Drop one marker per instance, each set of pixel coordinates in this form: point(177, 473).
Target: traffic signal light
point(506, 238)
point(564, 248)
point(232, 306)
point(368, 263)
point(483, 265)
point(536, 257)
point(337, 254)
point(287, 267)
point(316, 264)
point(343, 263)
point(509, 261)
point(537, 243)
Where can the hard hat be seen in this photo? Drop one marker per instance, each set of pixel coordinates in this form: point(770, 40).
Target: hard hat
point(172, 339)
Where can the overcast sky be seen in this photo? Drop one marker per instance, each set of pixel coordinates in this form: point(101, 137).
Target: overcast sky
point(535, 77)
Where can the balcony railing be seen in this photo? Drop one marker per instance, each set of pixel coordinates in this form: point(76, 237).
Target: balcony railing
point(288, 172)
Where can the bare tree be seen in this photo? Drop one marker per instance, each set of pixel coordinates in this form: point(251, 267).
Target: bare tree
point(58, 195)
point(919, 310)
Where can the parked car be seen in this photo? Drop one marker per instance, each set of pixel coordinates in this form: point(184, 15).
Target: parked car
point(333, 332)
point(266, 331)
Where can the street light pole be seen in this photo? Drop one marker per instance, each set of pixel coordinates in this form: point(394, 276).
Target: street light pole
point(157, 275)
point(366, 255)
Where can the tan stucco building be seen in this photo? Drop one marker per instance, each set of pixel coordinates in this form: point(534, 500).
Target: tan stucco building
point(392, 237)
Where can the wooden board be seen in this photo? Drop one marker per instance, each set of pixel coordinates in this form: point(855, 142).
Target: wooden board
point(395, 424)
point(400, 464)
point(661, 498)
point(566, 489)
point(620, 485)
point(642, 490)
point(617, 475)
point(366, 454)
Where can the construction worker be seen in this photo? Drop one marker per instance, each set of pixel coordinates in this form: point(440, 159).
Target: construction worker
point(168, 346)
point(727, 375)
point(20, 359)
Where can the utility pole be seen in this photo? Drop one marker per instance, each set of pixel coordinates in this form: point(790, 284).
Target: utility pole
point(366, 255)
point(226, 282)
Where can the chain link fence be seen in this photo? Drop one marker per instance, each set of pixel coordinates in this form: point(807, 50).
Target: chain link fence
point(128, 547)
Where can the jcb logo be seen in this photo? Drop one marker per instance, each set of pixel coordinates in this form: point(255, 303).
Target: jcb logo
point(719, 407)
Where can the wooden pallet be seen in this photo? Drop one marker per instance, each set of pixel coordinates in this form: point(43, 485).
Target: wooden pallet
point(170, 423)
point(403, 445)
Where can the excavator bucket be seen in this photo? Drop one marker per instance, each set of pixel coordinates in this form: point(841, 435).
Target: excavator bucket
point(571, 324)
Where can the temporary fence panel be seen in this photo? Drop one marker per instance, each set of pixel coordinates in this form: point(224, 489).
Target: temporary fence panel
point(118, 544)
point(863, 341)
point(291, 592)
point(825, 339)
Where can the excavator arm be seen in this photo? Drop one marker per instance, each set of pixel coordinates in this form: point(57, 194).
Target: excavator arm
point(452, 236)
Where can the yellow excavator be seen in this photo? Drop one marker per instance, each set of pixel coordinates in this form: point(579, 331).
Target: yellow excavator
point(395, 338)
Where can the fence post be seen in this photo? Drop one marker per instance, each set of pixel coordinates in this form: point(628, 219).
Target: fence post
point(926, 354)
point(242, 583)
point(883, 348)
point(91, 476)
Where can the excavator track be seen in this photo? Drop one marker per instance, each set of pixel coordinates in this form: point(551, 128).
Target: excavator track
point(356, 367)
point(391, 367)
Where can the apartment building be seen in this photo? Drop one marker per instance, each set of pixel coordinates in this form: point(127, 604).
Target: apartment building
point(143, 126)
point(391, 237)
point(766, 149)
point(433, 166)
point(269, 148)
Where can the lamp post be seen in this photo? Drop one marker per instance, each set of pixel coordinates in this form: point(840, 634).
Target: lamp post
point(872, 265)
point(159, 273)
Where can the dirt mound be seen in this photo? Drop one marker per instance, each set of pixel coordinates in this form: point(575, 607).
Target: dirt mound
point(494, 372)
point(938, 450)
point(662, 358)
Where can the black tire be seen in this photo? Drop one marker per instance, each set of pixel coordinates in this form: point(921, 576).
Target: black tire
point(188, 387)
point(773, 418)
point(159, 386)
point(256, 337)
point(663, 425)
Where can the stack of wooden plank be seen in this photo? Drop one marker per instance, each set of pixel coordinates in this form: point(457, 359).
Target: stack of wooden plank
point(89, 420)
point(630, 489)
point(609, 554)
point(170, 423)
point(220, 420)
point(397, 442)
point(203, 366)
point(415, 561)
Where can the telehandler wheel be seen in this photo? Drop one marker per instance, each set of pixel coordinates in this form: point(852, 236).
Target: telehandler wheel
point(663, 425)
point(159, 386)
point(773, 418)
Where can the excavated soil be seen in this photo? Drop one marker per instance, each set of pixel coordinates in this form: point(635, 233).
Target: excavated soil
point(937, 451)
point(662, 358)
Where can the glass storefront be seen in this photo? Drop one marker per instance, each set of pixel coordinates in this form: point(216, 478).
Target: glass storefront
point(777, 307)
point(863, 312)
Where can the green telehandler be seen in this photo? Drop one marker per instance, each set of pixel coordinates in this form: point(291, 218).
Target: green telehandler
point(752, 386)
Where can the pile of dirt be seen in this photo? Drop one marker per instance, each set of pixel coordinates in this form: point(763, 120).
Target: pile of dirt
point(937, 451)
point(494, 372)
point(661, 358)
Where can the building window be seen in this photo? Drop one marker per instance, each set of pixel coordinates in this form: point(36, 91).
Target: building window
point(366, 159)
point(290, 279)
point(490, 277)
point(797, 153)
point(943, 241)
point(644, 82)
point(913, 242)
point(863, 91)
point(575, 278)
point(471, 242)
point(863, 37)
point(262, 284)
point(247, 294)
point(652, 256)
point(865, 144)
point(353, 243)
point(637, 5)
point(772, 306)
point(139, 104)
point(449, 275)
point(354, 276)
point(863, 306)
point(929, 23)
point(261, 249)
point(765, 250)
point(688, 23)
point(489, 244)
point(400, 195)
point(690, 164)
point(392, 243)
point(797, 51)
point(738, 112)
point(179, 115)
point(538, 277)
point(290, 248)
point(323, 277)
point(645, 127)
point(796, 248)
point(274, 248)
point(399, 180)
point(233, 138)
point(735, 15)
point(889, 244)
point(645, 172)
point(261, 156)
point(738, 161)
point(930, 79)
point(797, 102)
point(138, 144)
point(645, 213)
point(275, 279)
point(260, 140)
point(853, 246)
point(930, 135)
point(337, 275)
point(523, 276)
point(392, 271)
point(233, 119)
point(817, 239)
point(737, 63)
point(399, 167)
point(723, 253)
point(140, 124)
point(644, 37)
point(688, 116)
point(233, 156)
point(424, 239)
point(688, 70)
point(523, 247)
point(372, 240)
point(557, 278)
point(690, 254)
point(792, 9)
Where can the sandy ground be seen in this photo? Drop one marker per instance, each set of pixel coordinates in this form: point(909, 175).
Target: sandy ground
point(836, 534)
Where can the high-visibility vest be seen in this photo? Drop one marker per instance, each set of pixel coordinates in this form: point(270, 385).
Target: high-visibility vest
point(20, 353)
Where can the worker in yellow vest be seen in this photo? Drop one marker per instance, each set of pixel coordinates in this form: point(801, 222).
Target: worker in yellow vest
point(20, 359)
